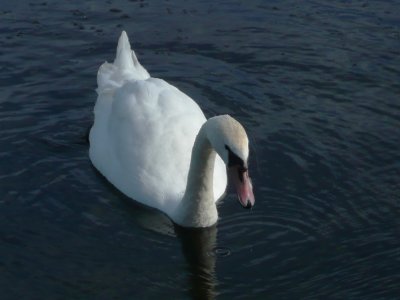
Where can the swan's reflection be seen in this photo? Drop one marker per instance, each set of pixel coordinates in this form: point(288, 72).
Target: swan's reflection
point(198, 245)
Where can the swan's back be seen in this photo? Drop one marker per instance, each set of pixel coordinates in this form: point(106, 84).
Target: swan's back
point(143, 133)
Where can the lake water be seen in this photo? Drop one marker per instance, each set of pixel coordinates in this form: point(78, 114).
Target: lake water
point(315, 83)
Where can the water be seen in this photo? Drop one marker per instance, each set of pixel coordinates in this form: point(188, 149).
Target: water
point(316, 84)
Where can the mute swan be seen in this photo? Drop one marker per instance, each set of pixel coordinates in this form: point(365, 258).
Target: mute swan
point(154, 144)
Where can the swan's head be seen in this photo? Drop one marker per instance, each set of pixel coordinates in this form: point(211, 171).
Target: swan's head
point(230, 141)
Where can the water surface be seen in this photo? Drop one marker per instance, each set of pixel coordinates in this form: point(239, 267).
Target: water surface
point(316, 84)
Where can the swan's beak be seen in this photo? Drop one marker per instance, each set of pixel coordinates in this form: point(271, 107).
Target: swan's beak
point(244, 189)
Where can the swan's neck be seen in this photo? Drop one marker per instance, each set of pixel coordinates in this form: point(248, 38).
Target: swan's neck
point(198, 208)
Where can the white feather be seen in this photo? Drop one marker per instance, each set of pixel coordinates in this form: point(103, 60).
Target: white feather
point(143, 134)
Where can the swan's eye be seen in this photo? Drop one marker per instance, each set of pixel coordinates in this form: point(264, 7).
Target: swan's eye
point(233, 159)
point(241, 171)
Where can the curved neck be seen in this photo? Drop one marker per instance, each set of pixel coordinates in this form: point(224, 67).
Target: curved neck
point(198, 208)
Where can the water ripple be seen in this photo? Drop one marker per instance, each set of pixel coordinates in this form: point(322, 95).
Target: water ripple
point(316, 86)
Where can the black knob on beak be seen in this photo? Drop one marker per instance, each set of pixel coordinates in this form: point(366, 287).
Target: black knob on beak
point(248, 206)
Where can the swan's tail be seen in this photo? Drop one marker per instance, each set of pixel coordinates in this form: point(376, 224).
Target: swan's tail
point(126, 66)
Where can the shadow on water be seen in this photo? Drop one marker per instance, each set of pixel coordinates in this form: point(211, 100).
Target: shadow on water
point(198, 245)
point(144, 216)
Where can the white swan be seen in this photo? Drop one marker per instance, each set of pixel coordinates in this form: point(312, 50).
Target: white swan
point(154, 144)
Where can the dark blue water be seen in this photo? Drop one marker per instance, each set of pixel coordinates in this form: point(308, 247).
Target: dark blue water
point(315, 83)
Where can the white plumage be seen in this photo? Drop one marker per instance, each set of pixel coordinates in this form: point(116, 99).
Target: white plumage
point(143, 134)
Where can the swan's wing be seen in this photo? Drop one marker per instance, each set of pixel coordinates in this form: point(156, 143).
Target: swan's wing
point(143, 133)
point(150, 134)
